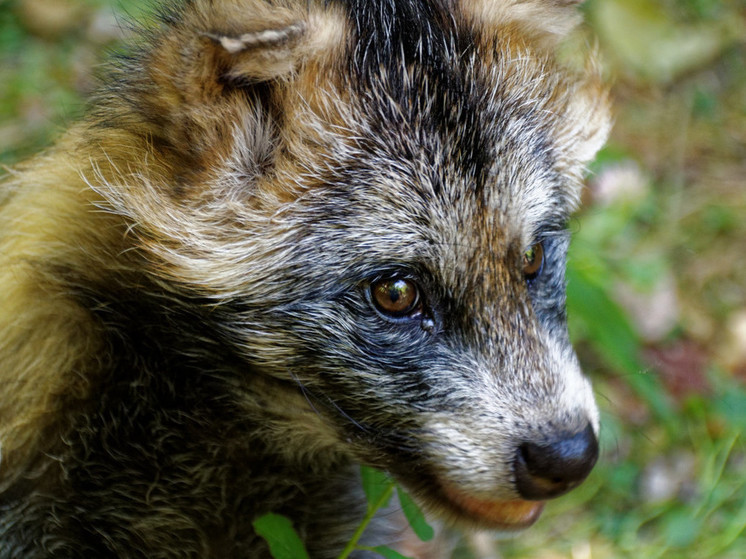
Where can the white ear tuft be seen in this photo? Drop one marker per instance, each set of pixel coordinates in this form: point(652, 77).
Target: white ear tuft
point(257, 56)
point(268, 38)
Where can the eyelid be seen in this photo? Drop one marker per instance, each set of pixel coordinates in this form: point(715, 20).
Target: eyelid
point(548, 234)
point(548, 238)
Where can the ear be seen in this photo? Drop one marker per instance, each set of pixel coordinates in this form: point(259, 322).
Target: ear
point(586, 116)
point(206, 51)
point(210, 67)
point(248, 41)
point(547, 21)
point(255, 56)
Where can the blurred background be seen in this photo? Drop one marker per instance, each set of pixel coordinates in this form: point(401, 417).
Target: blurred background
point(657, 272)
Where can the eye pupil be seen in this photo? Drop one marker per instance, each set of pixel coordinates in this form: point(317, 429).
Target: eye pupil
point(533, 261)
point(395, 297)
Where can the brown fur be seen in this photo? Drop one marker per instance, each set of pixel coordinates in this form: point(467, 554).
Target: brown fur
point(156, 265)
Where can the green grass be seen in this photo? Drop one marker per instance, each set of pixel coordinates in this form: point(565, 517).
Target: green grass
point(670, 482)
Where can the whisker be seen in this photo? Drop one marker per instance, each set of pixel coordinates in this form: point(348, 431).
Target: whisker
point(310, 397)
point(347, 416)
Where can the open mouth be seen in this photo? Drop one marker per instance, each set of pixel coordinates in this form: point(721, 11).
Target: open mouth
point(512, 515)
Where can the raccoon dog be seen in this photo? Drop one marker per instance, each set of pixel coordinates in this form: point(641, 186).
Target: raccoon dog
point(289, 237)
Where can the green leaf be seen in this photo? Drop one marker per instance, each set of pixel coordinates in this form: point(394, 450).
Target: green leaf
point(378, 488)
point(415, 517)
point(375, 484)
point(283, 540)
point(731, 404)
point(388, 553)
point(681, 528)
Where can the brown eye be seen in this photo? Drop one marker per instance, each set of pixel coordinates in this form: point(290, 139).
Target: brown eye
point(395, 297)
point(533, 260)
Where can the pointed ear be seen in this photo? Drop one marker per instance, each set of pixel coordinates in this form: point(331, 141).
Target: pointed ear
point(211, 66)
point(206, 48)
point(548, 21)
point(252, 41)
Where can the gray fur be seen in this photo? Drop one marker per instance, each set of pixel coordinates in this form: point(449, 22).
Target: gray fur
point(237, 364)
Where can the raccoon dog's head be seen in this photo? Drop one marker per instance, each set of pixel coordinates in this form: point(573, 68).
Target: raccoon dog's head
point(375, 195)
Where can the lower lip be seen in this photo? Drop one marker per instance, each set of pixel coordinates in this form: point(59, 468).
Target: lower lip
point(500, 515)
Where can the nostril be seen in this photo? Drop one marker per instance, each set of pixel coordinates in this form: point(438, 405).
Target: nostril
point(551, 468)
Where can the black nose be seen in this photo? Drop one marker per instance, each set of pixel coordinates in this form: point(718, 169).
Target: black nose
point(554, 467)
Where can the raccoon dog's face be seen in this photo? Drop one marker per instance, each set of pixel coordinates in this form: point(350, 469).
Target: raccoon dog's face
point(428, 317)
point(396, 249)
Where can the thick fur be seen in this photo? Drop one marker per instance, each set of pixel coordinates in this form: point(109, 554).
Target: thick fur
point(187, 339)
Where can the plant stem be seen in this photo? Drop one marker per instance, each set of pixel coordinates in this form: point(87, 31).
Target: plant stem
point(385, 496)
